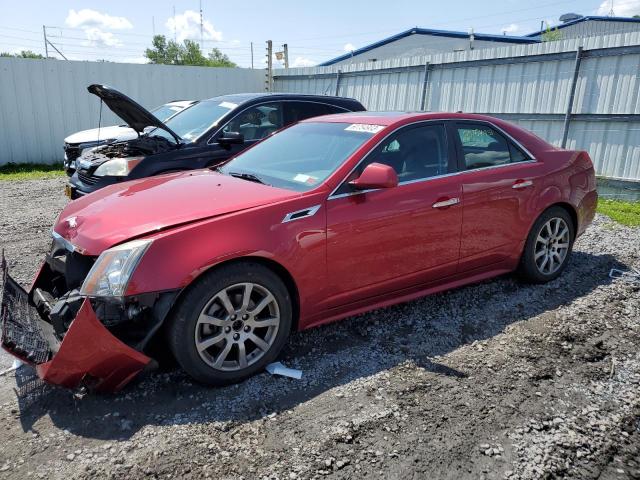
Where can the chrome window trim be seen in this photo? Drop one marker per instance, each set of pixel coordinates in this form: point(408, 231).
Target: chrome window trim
point(211, 142)
point(532, 159)
point(310, 212)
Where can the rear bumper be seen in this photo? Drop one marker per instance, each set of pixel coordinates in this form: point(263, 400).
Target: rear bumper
point(88, 355)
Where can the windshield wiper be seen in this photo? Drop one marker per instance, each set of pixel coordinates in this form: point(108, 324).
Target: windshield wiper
point(247, 176)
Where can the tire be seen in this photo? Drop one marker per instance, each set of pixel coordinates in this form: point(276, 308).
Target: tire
point(225, 329)
point(544, 241)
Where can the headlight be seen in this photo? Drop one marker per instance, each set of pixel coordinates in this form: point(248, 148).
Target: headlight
point(110, 274)
point(118, 167)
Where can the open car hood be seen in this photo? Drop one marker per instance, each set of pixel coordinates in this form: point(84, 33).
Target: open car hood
point(134, 114)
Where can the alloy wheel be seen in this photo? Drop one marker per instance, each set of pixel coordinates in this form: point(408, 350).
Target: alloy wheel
point(551, 246)
point(237, 326)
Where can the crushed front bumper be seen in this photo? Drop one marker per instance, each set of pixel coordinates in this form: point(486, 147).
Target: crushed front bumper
point(88, 355)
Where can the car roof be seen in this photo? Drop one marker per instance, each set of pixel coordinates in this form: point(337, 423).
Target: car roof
point(240, 98)
point(181, 103)
point(393, 118)
point(397, 119)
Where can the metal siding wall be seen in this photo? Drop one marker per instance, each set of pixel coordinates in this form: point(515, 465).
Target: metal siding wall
point(613, 146)
point(609, 85)
point(605, 85)
point(388, 91)
point(516, 88)
point(43, 101)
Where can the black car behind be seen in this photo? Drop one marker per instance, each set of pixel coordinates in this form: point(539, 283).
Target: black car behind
point(203, 135)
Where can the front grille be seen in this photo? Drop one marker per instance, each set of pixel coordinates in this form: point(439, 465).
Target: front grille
point(86, 178)
point(22, 331)
point(72, 151)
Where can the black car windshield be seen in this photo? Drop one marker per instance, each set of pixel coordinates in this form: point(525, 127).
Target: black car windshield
point(165, 111)
point(191, 123)
point(302, 156)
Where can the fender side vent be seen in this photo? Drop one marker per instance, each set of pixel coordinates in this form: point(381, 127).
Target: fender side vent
point(298, 214)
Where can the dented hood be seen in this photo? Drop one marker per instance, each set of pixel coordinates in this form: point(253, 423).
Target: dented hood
point(124, 211)
point(134, 114)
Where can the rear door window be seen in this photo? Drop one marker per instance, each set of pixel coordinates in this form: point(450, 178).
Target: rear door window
point(257, 122)
point(483, 146)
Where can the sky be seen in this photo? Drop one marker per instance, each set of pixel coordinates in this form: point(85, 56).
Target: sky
point(120, 30)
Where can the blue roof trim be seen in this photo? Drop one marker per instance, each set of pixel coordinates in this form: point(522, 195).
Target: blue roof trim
point(585, 19)
point(428, 31)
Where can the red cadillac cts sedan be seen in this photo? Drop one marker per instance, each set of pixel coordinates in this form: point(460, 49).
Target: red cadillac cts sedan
point(328, 218)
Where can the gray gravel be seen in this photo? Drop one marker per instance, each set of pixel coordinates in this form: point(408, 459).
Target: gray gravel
point(496, 380)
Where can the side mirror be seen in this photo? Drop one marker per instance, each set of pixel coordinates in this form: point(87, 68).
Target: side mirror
point(375, 175)
point(231, 138)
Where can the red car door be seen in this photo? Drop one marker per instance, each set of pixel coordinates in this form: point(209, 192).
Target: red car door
point(389, 239)
point(499, 180)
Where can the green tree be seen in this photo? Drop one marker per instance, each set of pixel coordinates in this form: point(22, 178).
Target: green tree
point(22, 54)
point(551, 35)
point(188, 53)
point(219, 59)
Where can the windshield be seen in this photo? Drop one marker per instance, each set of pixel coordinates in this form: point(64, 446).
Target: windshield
point(192, 122)
point(165, 111)
point(300, 157)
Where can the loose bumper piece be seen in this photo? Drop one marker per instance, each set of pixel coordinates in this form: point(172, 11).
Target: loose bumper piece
point(89, 355)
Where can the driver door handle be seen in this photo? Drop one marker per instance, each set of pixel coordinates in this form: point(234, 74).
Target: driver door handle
point(446, 203)
point(522, 184)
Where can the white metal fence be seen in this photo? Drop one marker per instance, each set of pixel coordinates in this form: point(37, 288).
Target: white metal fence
point(582, 92)
point(43, 101)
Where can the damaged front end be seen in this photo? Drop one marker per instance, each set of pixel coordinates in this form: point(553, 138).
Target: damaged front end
point(73, 339)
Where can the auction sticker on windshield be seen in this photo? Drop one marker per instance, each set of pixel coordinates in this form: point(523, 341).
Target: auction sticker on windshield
point(308, 179)
point(364, 127)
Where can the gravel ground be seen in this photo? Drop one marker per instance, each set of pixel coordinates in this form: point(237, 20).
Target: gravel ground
point(496, 380)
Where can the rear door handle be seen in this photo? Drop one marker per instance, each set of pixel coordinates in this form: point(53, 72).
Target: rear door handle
point(446, 203)
point(522, 184)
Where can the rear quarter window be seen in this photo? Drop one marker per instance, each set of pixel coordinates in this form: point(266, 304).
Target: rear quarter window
point(483, 146)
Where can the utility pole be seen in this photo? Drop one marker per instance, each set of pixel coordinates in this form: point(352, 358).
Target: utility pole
point(175, 30)
point(153, 25)
point(286, 55)
point(46, 45)
point(251, 55)
point(201, 34)
point(269, 65)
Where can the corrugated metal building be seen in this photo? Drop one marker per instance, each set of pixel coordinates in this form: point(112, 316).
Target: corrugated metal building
point(425, 41)
point(591, 25)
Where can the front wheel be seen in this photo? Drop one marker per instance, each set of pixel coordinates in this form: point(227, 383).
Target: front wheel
point(231, 323)
point(548, 247)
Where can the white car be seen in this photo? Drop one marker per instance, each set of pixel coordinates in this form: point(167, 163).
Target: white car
point(75, 143)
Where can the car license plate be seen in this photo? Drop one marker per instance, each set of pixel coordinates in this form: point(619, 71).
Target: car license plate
point(67, 190)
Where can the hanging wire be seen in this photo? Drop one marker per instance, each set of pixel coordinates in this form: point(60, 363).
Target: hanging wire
point(100, 120)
